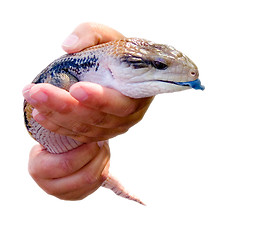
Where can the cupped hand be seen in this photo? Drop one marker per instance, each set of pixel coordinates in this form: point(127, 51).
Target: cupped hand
point(72, 175)
point(88, 112)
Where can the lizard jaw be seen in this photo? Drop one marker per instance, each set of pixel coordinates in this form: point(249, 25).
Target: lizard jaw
point(196, 84)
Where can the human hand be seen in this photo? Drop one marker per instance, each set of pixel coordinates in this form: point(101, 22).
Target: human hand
point(100, 114)
point(72, 175)
point(88, 112)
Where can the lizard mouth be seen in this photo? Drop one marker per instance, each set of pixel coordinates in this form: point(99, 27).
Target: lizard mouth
point(196, 84)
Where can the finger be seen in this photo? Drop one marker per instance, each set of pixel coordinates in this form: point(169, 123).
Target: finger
point(88, 178)
point(89, 34)
point(80, 128)
point(93, 134)
point(59, 112)
point(82, 124)
point(52, 106)
point(51, 102)
point(106, 100)
point(85, 132)
point(47, 98)
point(43, 164)
point(83, 192)
point(83, 120)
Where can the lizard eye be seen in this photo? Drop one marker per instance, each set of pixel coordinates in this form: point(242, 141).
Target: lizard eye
point(159, 65)
point(135, 62)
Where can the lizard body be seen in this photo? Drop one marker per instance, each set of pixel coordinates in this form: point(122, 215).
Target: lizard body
point(135, 67)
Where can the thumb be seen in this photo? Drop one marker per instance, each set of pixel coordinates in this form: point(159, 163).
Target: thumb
point(89, 34)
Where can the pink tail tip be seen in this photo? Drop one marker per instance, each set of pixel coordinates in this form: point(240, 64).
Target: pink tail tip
point(113, 184)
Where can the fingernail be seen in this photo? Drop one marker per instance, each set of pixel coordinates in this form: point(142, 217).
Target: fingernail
point(101, 143)
point(79, 94)
point(26, 94)
point(38, 116)
point(39, 96)
point(26, 88)
point(70, 41)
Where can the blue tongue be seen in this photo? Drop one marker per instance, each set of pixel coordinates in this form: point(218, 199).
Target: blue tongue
point(196, 84)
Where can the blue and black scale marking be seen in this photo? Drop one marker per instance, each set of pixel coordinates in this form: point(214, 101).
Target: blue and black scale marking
point(71, 65)
point(64, 72)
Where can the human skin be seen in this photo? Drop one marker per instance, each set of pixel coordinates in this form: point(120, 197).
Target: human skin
point(88, 113)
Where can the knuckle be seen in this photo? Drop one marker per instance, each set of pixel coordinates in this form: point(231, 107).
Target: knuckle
point(118, 122)
point(96, 134)
point(81, 128)
point(129, 109)
point(65, 165)
point(47, 114)
point(125, 123)
point(53, 127)
point(137, 118)
point(100, 120)
point(98, 103)
point(117, 132)
point(137, 105)
point(90, 178)
point(123, 130)
point(80, 138)
point(65, 108)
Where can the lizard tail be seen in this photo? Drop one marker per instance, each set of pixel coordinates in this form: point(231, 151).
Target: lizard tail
point(113, 184)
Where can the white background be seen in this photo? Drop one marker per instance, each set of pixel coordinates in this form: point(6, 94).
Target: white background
point(198, 159)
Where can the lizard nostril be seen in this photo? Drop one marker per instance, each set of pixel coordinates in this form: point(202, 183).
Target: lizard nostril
point(193, 73)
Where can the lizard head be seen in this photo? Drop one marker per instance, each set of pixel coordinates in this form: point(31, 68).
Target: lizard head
point(146, 68)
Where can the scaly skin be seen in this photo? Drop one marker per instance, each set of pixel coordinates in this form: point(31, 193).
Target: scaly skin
point(135, 67)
